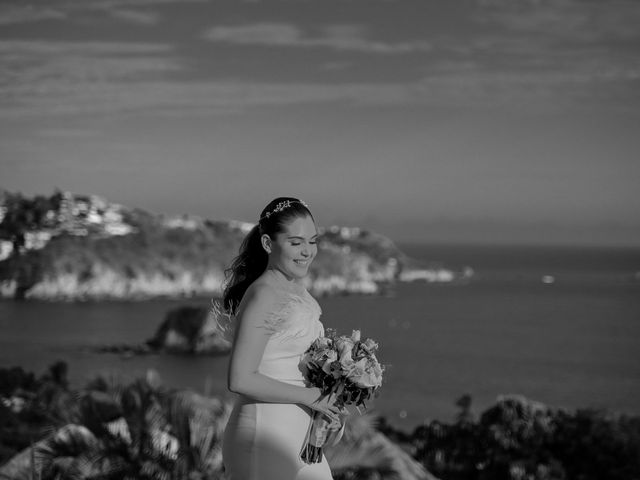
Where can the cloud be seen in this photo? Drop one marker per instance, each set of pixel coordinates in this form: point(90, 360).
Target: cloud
point(577, 52)
point(68, 133)
point(256, 34)
point(40, 78)
point(53, 97)
point(535, 55)
point(143, 3)
point(136, 16)
point(131, 11)
point(337, 37)
point(503, 61)
point(17, 14)
point(23, 48)
point(37, 75)
point(565, 19)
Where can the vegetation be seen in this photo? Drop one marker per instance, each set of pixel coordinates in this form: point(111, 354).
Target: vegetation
point(25, 214)
point(109, 430)
point(519, 439)
point(112, 429)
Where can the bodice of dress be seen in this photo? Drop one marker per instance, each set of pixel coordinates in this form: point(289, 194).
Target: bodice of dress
point(294, 323)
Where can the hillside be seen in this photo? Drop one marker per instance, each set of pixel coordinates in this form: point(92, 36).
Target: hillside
point(79, 247)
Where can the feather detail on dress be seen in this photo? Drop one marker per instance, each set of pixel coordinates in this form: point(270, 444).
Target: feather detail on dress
point(292, 314)
point(223, 320)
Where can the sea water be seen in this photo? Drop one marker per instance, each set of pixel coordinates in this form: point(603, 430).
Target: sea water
point(556, 324)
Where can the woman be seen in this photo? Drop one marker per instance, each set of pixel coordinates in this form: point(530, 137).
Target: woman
point(275, 320)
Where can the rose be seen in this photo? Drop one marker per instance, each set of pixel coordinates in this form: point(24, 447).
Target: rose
point(335, 369)
point(370, 345)
point(365, 373)
point(321, 342)
point(345, 349)
point(331, 357)
point(319, 356)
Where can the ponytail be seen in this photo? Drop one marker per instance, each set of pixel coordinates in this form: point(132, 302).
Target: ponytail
point(244, 270)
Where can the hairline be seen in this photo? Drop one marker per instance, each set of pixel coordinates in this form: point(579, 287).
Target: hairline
point(285, 226)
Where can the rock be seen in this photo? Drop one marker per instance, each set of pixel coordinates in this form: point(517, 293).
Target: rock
point(189, 329)
point(184, 330)
point(125, 349)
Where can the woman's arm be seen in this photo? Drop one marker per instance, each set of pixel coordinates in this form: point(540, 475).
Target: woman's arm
point(248, 347)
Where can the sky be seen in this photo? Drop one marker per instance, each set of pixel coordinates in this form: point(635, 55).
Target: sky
point(493, 121)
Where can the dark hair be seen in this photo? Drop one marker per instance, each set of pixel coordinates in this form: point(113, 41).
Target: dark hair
point(253, 259)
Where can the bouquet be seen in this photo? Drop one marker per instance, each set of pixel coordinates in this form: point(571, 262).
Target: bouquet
point(345, 367)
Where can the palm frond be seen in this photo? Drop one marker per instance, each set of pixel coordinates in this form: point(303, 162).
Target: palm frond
point(198, 424)
point(119, 429)
point(113, 383)
point(100, 465)
point(54, 452)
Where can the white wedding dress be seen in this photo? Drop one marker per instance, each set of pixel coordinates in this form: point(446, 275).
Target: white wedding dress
point(262, 441)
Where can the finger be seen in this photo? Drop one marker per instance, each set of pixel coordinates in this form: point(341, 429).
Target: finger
point(332, 416)
point(340, 410)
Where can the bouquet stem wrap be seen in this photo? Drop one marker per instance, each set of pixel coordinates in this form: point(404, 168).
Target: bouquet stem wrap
point(320, 432)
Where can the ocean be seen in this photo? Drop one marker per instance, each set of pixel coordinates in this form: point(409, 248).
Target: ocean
point(558, 325)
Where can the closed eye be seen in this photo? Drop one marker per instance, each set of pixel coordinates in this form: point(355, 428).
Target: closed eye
point(311, 242)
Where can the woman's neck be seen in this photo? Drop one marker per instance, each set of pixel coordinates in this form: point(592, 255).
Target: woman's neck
point(283, 276)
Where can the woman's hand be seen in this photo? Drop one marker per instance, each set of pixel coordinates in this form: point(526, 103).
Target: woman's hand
point(326, 404)
point(336, 431)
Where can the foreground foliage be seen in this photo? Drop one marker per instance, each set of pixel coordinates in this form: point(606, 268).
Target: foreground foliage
point(519, 439)
point(113, 429)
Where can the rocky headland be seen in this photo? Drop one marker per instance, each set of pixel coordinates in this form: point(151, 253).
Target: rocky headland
point(82, 247)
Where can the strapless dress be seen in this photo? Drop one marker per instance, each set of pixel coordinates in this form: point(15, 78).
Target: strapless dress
point(262, 441)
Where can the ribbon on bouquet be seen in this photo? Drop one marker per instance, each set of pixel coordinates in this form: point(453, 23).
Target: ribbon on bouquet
point(321, 431)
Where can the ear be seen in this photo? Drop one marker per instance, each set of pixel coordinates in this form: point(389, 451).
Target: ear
point(266, 242)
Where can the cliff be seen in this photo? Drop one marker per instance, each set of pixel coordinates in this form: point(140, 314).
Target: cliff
point(78, 247)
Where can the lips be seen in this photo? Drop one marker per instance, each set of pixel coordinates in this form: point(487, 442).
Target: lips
point(302, 263)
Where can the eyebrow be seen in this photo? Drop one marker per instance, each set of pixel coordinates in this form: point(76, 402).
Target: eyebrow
point(302, 238)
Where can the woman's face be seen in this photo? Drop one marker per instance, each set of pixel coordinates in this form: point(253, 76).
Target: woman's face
point(293, 249)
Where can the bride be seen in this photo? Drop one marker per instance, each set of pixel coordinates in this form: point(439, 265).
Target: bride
point(274, 320)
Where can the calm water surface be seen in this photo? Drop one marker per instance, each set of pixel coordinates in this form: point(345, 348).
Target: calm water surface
point(573, 343)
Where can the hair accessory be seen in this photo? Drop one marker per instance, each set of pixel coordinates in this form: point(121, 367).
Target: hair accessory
point(282, 206)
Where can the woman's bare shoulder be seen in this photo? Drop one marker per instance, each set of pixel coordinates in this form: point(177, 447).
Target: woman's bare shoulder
point(261, 292)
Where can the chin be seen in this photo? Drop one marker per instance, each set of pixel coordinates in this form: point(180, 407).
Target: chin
point(299, 272)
